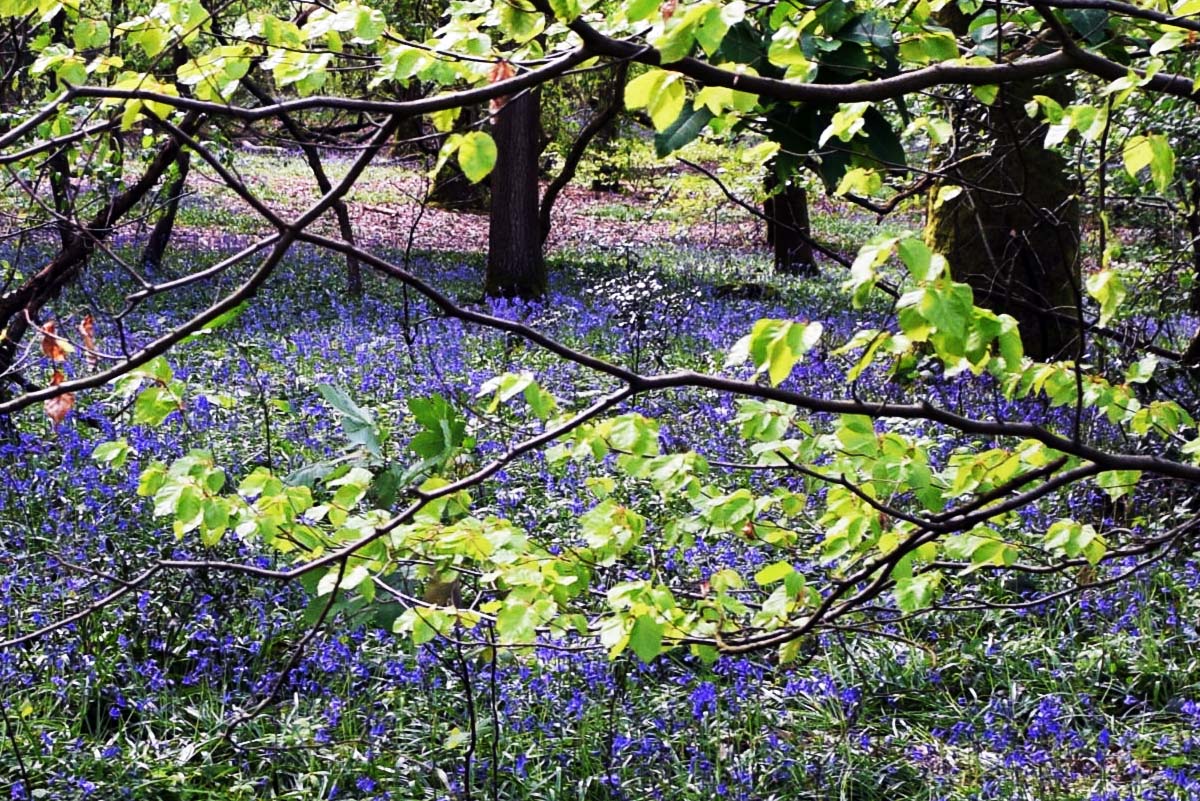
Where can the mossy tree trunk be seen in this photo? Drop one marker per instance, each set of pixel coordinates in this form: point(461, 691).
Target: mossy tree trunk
point(1013, 231)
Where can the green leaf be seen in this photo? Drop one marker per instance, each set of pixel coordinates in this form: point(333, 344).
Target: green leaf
point(1142, 370)
point(1108, 290)
point(112, 453)
point(1150, 151)
point(216, 521)
point(857, 435)
point(776, 346)
point(516, 622)
point(477, 155)
point(846, 122)
point(939, 46)
point(638, 10)
point(665, 107)
point(358, 424)
point(1162, 162)
point(565, 10)
point(153, 405)
point(687, 126)
point(1137, 154)
point(639, 91)
point(987, 94)
point(1118, 482)
point(520, 21)
point(773, 572)
point(660, 92)
point(646, 638)
point(922, 263)
point(1072, 538)
point(1090, 23)
point(916, 592)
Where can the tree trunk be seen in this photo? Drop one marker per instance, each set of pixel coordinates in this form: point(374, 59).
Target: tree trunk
point(788, 228)
point(515, 267)
point(1013, 231)
point(160, 236)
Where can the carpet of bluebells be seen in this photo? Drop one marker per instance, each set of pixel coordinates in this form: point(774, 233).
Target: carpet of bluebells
point(1097, 697)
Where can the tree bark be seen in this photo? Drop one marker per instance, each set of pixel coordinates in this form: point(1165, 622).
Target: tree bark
point(1013, 232)
point(788, 230)
point(515, 267)
point(160, 236)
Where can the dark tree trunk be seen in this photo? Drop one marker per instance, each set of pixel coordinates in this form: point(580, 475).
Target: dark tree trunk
point(515, 266)
point(1013, 232)
point(788, 230)
point(160, 236)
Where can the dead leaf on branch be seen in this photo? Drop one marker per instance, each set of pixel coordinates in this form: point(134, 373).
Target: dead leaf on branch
point(87, 329)
point(501, 71)
point(58, 407)
point(53, 346)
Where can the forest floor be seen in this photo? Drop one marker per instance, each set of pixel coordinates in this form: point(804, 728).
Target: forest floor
point(654, 207)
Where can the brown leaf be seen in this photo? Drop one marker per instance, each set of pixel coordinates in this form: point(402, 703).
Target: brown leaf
point(57, 408)
point(87, 329)
point(54, 346)
point(501, 71)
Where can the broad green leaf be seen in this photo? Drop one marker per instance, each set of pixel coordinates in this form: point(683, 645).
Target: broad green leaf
point(358, 424)
point(1107, 288)
point(775, 346)
point(773, 573)
point(646, 638)
point(1150, 151)
point(922, 263)
point(113, 453)
point(566, 10)
point(917, 592)
point(986, 94)
point(1118, 482)
point(154, 404)
point(846, 122)
point(477, 155)
point(638, 10)
point(687, 126)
